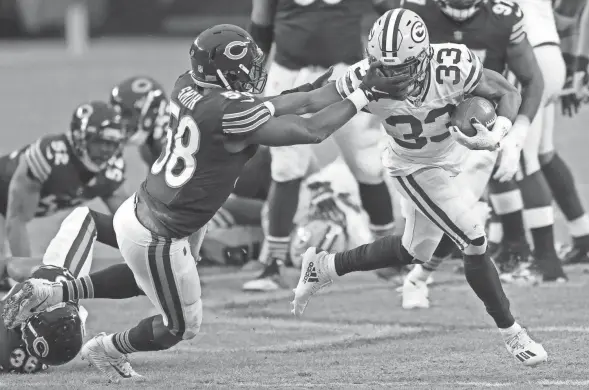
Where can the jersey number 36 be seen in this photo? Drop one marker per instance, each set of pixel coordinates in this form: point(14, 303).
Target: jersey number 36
point(182, 144)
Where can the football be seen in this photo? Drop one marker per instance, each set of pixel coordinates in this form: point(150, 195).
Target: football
point(473, 107)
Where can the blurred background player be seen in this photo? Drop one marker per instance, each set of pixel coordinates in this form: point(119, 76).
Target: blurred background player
point(572, 23)
point(61, 171)
point(309, 37)
point(142, 104)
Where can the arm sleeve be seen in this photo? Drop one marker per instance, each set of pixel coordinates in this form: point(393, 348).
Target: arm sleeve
point(471, 71)
point(39, 159)
point(245, 115)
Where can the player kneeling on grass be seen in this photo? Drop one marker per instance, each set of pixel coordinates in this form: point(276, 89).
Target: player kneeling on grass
point(51, 337)
point(61, 171)
point(425, 158)
point(215, 128)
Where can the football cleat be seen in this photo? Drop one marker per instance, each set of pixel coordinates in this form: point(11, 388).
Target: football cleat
point(575, 255)
point(313, 278)
point(29, 297)
point(269, 280)
point(114, 368)
point(526, 350)
point(415, 295)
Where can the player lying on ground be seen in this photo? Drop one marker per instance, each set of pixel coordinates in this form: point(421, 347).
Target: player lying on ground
point(61, 171)
point(309, 37)
point(216, 121)
point(425, 158)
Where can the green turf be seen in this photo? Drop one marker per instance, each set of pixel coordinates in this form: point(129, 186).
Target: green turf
point(354, 336)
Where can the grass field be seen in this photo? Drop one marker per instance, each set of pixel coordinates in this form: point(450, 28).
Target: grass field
point(353, 336)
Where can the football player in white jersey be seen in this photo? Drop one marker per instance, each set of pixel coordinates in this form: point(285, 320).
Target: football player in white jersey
point(425, 157)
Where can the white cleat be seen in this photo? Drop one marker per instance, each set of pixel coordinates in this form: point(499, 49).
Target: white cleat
point(313, 278)
point(114, 368)
point(27, 298)
point(415, 295)
point(526, 350)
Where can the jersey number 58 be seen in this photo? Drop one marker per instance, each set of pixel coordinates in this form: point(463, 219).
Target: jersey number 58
point(182, 144)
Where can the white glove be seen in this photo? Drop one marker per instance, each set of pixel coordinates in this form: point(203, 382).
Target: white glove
point(508, 161)
point(484, 139)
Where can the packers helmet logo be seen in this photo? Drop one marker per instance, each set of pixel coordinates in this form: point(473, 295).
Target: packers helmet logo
point(40, 347)
point(141, 85)
point(236, 50)
point(418, 32)
point(371, 33)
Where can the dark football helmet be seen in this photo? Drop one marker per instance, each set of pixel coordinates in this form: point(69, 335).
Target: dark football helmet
point(460, 10)
point(96, 134)
point(142, 103)
point(55, 335)
point(14, 356)
point(226, 56)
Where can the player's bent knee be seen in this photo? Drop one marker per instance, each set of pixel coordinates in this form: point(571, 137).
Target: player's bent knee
point(478, 246)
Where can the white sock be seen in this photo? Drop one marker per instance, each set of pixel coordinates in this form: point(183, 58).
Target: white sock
point(329, 266)
point(109, 346)
point(508, 333)
point(418, 274)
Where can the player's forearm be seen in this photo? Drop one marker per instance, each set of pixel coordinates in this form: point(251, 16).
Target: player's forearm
point(582, 48)
point(531, 96)
point(324, 123)
point(300, 103)
point(18, 237)
point(508, 105)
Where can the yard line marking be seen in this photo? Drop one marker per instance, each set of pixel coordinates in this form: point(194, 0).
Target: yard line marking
point(415, 384)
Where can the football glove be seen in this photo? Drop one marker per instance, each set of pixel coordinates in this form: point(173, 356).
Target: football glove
point(508, 161)
point(323, 203)
point(577, 79)
point(376, 85)
point(484, 139)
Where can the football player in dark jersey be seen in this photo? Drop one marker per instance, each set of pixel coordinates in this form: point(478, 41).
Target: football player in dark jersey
point(309, 37)
point(216, 125)
point(50, 338)
point(142, 103)
point(61, 171)
point(494, 30)
point(571, 20)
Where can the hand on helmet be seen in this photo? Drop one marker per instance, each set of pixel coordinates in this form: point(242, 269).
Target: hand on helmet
point(376, 85)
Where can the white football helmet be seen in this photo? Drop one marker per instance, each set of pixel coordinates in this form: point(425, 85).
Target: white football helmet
point(459, 10)
point(400, 40)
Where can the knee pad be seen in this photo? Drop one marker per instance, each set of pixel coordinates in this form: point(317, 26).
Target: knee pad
point(478, 246)
point(193, 320)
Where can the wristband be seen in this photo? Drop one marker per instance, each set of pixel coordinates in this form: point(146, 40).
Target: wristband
point(262, 35)
point(519, 131)
point(502, 126)
point(358, 99)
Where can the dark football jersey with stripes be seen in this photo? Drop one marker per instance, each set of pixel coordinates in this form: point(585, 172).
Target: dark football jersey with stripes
point(318, 32)
point(66, 183)
point(496, 25)
point(196, 174)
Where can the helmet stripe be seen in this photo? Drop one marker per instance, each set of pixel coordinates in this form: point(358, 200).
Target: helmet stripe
point(385, 33)
point(396, 30)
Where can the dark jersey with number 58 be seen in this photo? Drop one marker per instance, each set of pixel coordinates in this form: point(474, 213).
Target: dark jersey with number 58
point(196, 174)
point(65, 182)
point(496, 25)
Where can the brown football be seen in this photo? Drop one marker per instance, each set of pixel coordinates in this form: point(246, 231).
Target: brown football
point(473, 107)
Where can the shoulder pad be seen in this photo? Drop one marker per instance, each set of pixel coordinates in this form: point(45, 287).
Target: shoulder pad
point(48, 152)
point(510, 16)
point(243, 112)
point(457, 66)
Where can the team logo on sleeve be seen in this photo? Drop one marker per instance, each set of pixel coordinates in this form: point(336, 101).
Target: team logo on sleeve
point(233, 51)
point(418, 32)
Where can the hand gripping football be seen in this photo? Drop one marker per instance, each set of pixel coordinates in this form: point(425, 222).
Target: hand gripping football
point(473, 107)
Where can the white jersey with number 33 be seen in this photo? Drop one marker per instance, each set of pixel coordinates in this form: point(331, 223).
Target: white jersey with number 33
point(419, 134)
